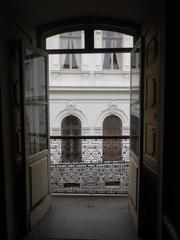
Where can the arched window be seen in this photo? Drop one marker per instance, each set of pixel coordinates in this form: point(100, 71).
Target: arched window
point(112, 148)
point(71, 147)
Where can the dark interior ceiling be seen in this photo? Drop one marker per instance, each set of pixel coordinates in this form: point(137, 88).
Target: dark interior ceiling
point(41, 12)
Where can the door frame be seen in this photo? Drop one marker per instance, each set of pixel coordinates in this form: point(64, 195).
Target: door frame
point(3, 224)
point(136, 210)
point(89, 35)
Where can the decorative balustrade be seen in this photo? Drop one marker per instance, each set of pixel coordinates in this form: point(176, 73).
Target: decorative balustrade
point(89, 164)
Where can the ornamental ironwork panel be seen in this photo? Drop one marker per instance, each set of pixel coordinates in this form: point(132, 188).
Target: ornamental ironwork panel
point(92, 173)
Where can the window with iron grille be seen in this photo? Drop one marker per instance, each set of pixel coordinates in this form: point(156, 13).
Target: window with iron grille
point(112, 148)
point(71, 147)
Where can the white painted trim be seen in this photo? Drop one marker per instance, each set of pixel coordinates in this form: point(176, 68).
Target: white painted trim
point(118, 112)
point(76, 112)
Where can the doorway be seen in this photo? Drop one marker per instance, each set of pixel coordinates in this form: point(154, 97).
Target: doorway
point(80, 83)
point(92, 89)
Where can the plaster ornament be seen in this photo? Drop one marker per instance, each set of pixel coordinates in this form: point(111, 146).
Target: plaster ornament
point(71, 108)
point(112, 107)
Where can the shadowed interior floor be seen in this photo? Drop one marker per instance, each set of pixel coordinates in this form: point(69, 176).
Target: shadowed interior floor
point(88, 218)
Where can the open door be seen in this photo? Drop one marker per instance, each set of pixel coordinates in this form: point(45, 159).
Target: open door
point(136, 119)
point(36, 131)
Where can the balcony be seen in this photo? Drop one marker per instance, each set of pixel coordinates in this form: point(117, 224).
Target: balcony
point(89, 164)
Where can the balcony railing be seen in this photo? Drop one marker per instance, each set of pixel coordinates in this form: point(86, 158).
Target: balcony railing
point(89, 164)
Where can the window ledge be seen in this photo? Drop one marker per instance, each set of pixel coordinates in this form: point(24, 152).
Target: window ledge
point(114, 72)
point(110, 72)
point(70, 71)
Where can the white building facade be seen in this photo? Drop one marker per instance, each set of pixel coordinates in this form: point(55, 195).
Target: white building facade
point(89, 86)
point(95, 89)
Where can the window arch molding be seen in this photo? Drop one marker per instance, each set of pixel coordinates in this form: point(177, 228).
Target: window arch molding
point(88, 24)
point(77, 113)
point(110, 122)
point(119, 113)
point(71, 117)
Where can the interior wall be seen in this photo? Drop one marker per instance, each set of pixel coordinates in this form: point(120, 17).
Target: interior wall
point(171, 177)
point(3, 232)
point(12, 28)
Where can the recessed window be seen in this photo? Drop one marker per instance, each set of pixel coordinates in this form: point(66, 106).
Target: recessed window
point(70, 61)
point(71, 147)
point(112, 148)
point(68, 40)
point(112, 61)
point(110, 39)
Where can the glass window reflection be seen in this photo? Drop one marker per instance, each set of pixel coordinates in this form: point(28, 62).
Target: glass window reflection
point(35, 81)
point(35, 102)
